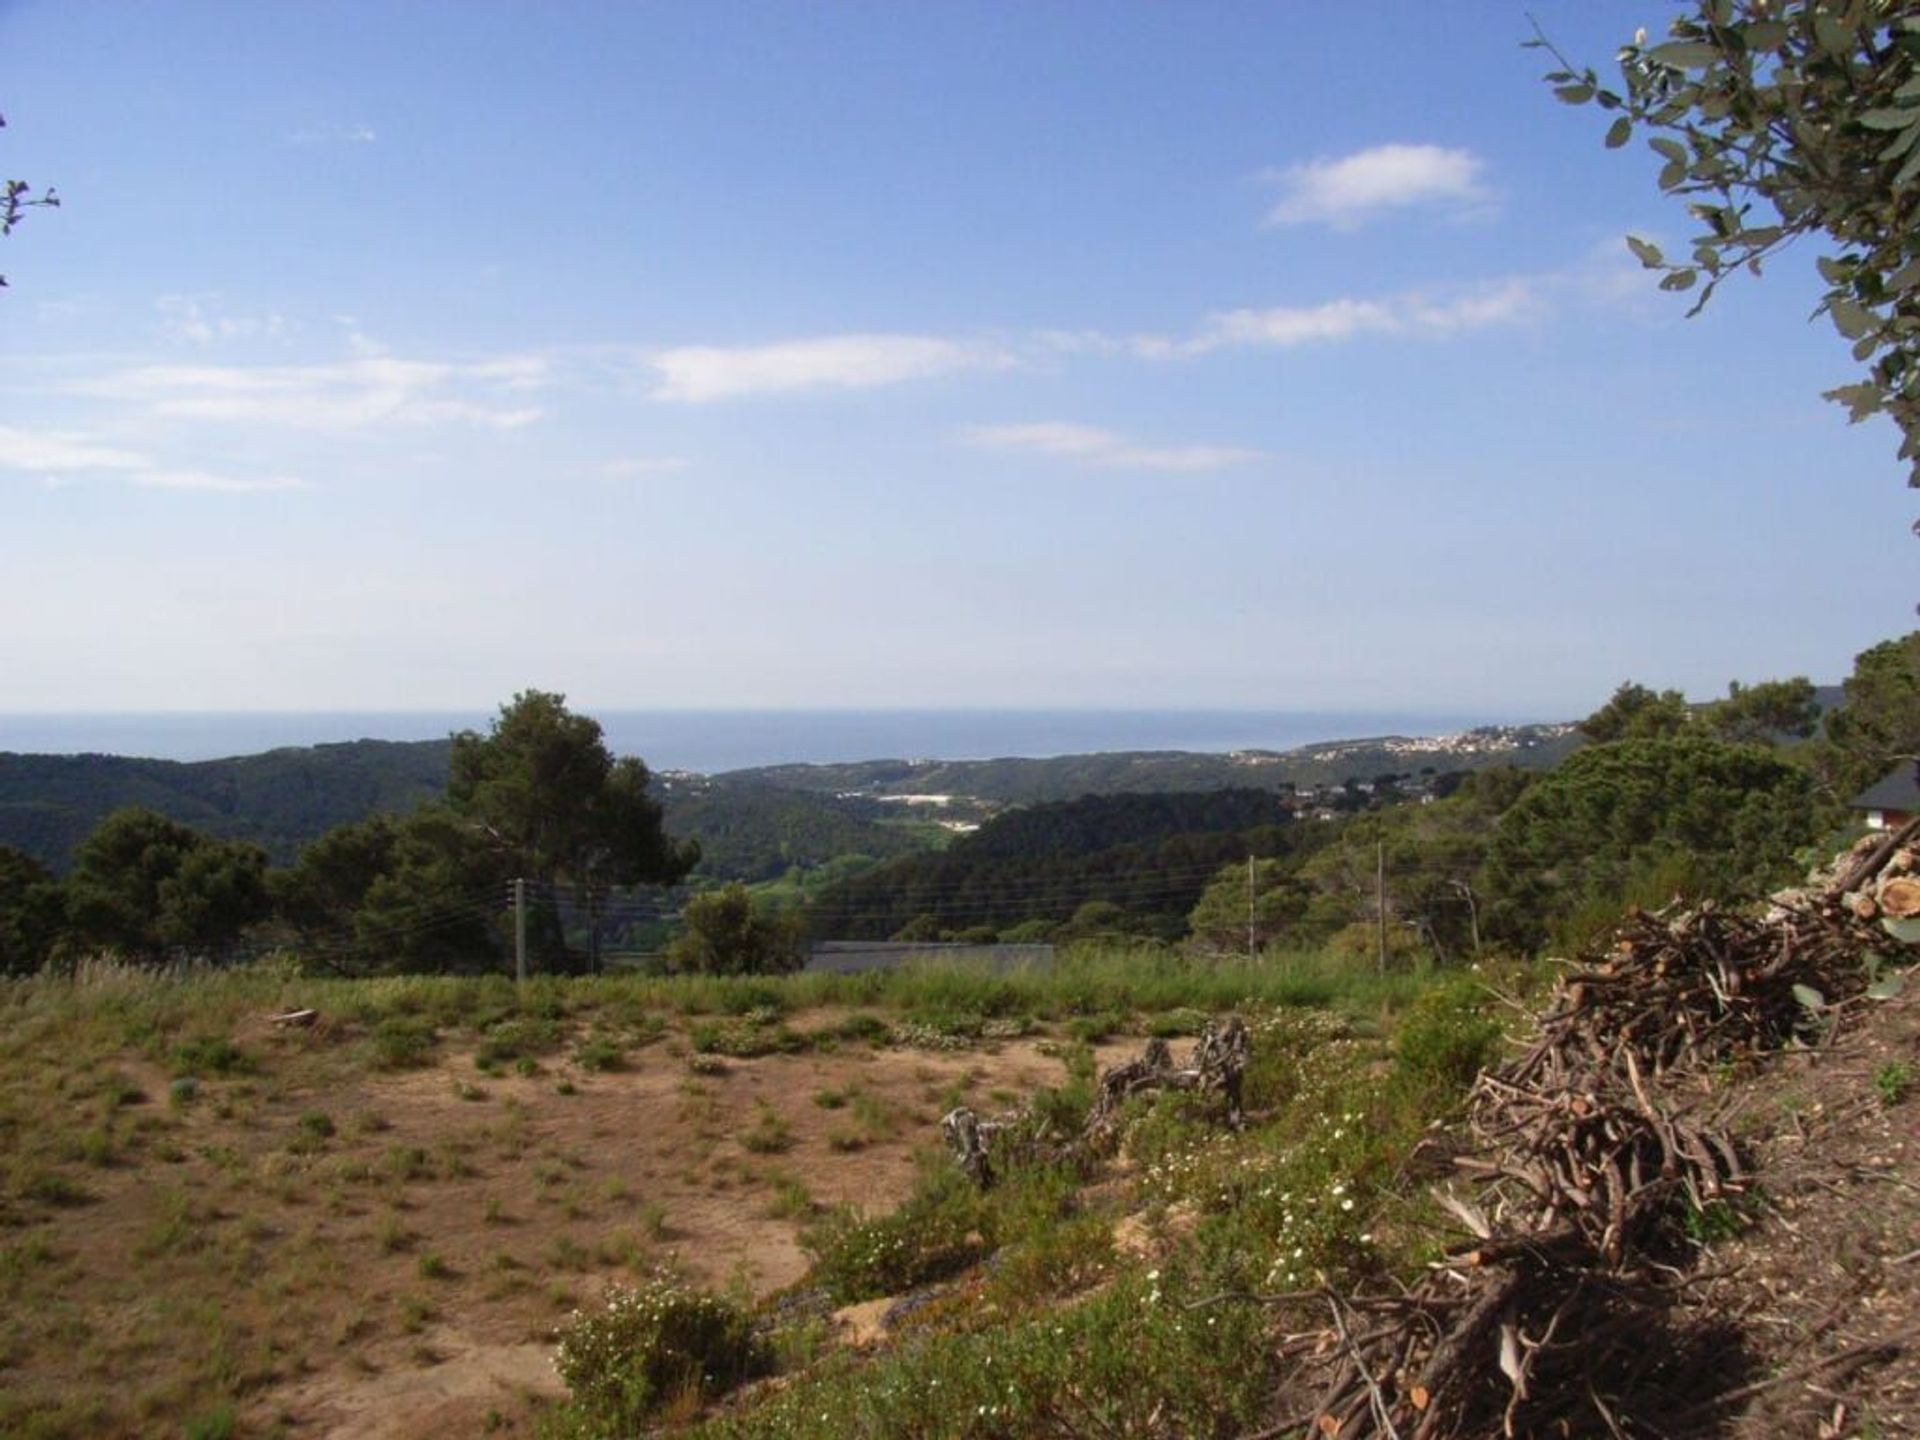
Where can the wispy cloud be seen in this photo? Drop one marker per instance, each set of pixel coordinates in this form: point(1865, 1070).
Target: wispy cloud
point(1410, 315)
point(41, 452)
point(1105, 449)
point(197, 319)
point(372, 389)
point(1414, 314)
point(1348, 191)
point(696, 374)
point(219, 484)
point(633, 466)
point(57, 457)
point(333, 133)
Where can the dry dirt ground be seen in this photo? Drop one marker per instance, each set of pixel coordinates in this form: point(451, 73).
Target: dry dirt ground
point(366, 1255)
point(1820, 1298)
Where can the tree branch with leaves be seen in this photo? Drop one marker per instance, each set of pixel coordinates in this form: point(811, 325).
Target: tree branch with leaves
point(1778, 120)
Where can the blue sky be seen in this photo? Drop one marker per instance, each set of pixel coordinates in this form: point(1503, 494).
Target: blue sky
point(706, 354)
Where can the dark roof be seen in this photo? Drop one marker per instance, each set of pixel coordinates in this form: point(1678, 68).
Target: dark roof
point(1898, 791)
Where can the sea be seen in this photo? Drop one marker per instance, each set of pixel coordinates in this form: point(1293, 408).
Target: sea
point(712, 741)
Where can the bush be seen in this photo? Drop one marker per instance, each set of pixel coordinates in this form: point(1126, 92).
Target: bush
point(650, 1346)
point(211, 1055)
point(402, 1043)
point(1445, 1041)
point(517, 1039)
point(935, 1234)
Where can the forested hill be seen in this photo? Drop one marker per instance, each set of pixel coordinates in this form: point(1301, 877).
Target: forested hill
point(1112, 863)
point(1019, 781)
point(284, 799)
point(752, 824)
point(753, 831)
point(279, 799)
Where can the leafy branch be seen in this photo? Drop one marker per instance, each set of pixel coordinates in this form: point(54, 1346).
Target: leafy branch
point(1776, 120)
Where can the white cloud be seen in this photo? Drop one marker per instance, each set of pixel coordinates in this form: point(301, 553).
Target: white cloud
point(1415, 315)
point(696, 374)
point(633, 466)
point(333, 133)
point(47, 451)
point(374, 388)
point(194, 318)
point(1353, 189)
point(222, 484)
point(57, 456)
point(1104, 448)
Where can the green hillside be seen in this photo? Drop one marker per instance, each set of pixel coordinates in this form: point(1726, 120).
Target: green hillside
point(280, 799)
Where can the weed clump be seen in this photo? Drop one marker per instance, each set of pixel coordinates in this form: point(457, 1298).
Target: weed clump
point(211, 1055)
point(656, 1344)
point(403, 1042)
point(937, 1233)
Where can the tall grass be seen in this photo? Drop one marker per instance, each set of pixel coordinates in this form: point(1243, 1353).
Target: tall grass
point(154, 1008)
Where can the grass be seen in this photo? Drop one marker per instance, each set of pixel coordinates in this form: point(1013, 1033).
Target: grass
point(288, 1198)
point(770, 1134)
point(1893, 1081)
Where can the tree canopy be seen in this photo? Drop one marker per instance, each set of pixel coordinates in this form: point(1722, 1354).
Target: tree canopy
point(546, 790)
point(1778, 120)
point(146, 886)
point(726, 935)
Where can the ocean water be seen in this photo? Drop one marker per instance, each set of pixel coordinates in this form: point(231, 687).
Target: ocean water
point(710, 741)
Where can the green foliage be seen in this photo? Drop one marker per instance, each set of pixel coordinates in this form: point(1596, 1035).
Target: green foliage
point(220, 1423)
point(1098, 866)
point(1893, 1080)
point(1637, 713)
point(1777, 120)
point(546, 789)
point(1444, 1041)
point(647, 1346)
point(1326, 895)
point(32, 912)
point(725, 935)
point(518, 1038)
point(280, 800)
point(211, 1055)
point(1764, 713)
point(147, 887)
point(1880, 722)
point(403, 1042)
point(937, 1233)
point(752, 831)
point(428, 909)
point(1722, 819)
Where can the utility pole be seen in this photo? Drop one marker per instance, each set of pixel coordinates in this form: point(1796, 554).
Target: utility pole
point(1380, 896)
point(520, 931)
point(1249, 907)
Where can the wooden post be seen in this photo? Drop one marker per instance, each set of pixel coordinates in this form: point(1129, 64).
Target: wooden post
point(1380, 896)
point(1249, 909)
point(520, 931)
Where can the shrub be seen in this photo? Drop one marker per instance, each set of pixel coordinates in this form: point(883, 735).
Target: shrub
point(935, 1234)
point(600, 1055)
point(401, 1042)
point(652, 1345)
point(211, 1055)
point(517, 1039)
point(864, 1025)
point(1444, 1042)
point(745, 1039)
point(769, 1134)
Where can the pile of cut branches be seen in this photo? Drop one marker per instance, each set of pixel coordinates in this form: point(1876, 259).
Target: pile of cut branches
point(1589, 1156)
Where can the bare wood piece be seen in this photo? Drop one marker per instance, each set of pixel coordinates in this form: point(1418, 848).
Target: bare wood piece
point(1217, 1065)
